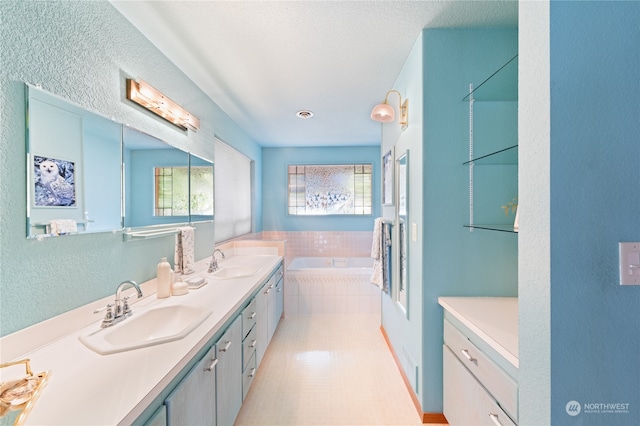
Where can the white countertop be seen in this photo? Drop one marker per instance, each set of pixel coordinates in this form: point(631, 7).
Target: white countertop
point(493, 319)
point(86, 388)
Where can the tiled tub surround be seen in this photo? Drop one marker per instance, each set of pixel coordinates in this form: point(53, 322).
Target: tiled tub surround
point(330, 286)
point(321, 243)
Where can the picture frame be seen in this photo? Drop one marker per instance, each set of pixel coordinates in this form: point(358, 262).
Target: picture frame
point(388, 161)
point(53, 182)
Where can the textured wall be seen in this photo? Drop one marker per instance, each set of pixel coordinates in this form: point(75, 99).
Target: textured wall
point(274, 180)
point(594, 204)
point(534, 237)
point(83, 51)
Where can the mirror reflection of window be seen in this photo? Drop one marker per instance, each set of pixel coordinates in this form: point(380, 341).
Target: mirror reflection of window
point(156, 188)
point(201, 184)
point(171, 191)
point(402, 203)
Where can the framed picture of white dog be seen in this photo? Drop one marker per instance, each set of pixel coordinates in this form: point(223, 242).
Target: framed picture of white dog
point(54, 182)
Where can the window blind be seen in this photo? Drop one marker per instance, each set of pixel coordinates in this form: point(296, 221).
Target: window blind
point(233, 192)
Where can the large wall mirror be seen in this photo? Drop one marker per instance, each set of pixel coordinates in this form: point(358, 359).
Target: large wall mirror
point(402, 206)
point(74, 159)
point(88, 173)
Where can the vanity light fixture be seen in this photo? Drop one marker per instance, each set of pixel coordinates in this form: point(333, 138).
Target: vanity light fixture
point(385, 113)
point(145, 95)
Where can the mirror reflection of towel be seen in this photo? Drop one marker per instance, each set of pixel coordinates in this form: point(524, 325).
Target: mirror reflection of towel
point(63, 226)
point(185, 252)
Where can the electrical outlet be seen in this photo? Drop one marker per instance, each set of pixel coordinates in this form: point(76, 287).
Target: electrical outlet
point(629, 263)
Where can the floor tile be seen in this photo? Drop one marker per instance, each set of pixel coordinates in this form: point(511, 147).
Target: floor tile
point(328, 370)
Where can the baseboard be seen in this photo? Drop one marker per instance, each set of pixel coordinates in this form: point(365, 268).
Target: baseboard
point(426, 417)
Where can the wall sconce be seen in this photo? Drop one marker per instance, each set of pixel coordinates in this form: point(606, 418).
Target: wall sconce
point(384, 112)
point(147, 96)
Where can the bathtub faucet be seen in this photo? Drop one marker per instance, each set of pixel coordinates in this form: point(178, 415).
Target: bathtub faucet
point(213, 266)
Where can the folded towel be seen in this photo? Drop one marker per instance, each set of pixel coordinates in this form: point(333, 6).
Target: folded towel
point(63, 226)
point(185, 252)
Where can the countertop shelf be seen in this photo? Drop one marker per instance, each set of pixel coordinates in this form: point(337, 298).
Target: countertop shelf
point(494, 319)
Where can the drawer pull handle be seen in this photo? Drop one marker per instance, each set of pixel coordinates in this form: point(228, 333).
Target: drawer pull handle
point(494, 419)
point(253, 343)
point(212, 366)
point(226, 346)
point(466, 354)
point(253, 315)
point(252, 373)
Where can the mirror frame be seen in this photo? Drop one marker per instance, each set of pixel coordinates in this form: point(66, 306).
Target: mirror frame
point(402, 216)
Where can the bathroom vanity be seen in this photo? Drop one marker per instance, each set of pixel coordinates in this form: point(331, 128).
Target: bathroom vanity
point(155, 384)
point(480, 360)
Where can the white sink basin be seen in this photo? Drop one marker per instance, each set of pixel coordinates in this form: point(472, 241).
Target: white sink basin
point(146, 327)
point(235, 271)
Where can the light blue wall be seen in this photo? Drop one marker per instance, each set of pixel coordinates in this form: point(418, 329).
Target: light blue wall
point(405, 331)
point(447, 260)
point(83, 51)
point(458, 262)
point(274, 181)
point(595, 203)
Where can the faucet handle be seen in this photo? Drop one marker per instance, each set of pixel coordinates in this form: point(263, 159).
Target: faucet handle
point(108, 317)
point(126, 309)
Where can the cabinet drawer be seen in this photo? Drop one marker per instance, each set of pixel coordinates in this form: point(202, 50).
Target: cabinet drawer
point(249, 315)
point(503, 388)
point(248, 375)
point(465, 401)
point(249, 347)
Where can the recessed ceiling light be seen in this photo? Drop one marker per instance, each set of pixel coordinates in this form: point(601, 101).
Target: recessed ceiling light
point(304, 114)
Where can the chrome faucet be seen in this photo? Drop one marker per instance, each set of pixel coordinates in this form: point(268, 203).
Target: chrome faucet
point(119, 310)
point(213, 266)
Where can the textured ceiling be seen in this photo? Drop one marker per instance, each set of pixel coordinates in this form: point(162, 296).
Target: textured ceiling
point(262, 61)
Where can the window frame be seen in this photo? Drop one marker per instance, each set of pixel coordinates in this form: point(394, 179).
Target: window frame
point(370, 207)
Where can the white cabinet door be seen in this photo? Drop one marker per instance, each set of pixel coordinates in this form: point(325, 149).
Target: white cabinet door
point(273, 306)
point(279, 300)
point(465, 400)
point(229, 374)
point(262, 320)
point(193, 401)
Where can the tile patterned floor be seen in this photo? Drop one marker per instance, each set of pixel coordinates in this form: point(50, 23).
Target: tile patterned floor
point(328, 370)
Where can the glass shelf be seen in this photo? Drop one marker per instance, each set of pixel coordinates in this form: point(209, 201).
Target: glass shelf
point(503, 156)
point(501, 228)
point(502, 85)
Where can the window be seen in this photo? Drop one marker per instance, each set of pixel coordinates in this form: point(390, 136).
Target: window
point(233, 192)
point(171, 191)
point(330, 189)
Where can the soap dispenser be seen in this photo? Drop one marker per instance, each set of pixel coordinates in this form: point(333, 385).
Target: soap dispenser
point(163, 279)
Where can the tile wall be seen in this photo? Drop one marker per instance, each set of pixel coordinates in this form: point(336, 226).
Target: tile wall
point(327, 295)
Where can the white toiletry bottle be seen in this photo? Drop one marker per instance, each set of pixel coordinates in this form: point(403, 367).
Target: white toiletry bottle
point(163, 279)
point(179, 288)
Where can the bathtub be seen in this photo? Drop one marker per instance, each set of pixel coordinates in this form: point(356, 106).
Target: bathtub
point(331, 286)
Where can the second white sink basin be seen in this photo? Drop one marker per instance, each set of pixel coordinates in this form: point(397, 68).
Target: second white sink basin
point(235, 271)
point(144, 328)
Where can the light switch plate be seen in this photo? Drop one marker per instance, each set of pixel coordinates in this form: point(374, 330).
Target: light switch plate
point(629, 263)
